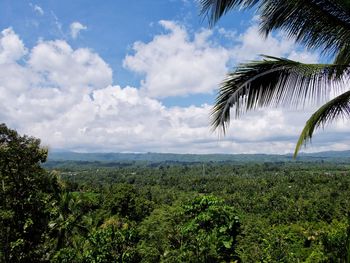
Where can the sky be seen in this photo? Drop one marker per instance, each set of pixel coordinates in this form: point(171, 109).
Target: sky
point(140, 76)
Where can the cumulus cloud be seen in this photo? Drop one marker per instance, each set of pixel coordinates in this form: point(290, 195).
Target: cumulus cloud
point(75, 29)
point(66, 67)
point(251, 44)
point(66, 97)
point(176, 64)
point(11, 47)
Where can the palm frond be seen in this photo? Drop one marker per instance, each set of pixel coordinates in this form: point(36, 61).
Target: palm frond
point(321, 24)
point(215, 9)
point(337, 107)
point(273, 82)
point(343, 55)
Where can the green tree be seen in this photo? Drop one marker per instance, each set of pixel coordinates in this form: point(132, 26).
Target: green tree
point(318, 24)
point(67, 223)
point(26, 195)
point(112, 243)
point(123, 200)
point(204, 230)
point(210, 231)
point(75, 216)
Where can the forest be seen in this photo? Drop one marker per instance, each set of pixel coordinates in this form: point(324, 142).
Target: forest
point(74, 211)
point(152, 207)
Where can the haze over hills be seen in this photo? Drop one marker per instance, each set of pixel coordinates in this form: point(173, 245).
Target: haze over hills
point(329, 156)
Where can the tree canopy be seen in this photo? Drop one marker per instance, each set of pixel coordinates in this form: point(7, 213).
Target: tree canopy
point(27, 193)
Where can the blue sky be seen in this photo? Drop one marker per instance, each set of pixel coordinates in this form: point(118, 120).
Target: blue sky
point(138, 76)
point(111, 28)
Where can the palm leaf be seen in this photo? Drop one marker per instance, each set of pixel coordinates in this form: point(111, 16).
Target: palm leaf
point(214, 9)
point(274, 82)
point(323, 24)
point(337, 107)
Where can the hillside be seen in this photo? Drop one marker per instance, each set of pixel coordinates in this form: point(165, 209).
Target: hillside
point(330, 156)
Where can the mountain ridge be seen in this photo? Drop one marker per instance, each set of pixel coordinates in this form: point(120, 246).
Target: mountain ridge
point(333, 156)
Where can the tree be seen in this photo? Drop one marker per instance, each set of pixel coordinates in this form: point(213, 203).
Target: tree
point(112, 243)
point(27, 193)
point(318, 24)
point(67, 223)
point(203, 230)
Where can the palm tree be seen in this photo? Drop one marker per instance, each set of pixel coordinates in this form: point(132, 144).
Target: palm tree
point(317, 24)
point(69, 225)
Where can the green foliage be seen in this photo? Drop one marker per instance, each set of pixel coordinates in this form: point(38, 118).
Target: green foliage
point(124, 200)
point(288, 212)
point(26, 196)
point(159, 234)
point(322, 25)
point(210, 231)
point(291, 243)
point(334, 242)
point(66, 255)
point(68, 221)
point(205, 230)
point(272, 82)
point(110, 244)
point(335, 108)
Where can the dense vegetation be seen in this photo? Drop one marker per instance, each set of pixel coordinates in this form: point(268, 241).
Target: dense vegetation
point(169, 212)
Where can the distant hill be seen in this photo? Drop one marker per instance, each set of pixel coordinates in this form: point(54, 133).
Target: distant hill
point(330, 156)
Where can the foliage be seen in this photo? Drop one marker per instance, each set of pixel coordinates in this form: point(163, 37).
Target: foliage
point(27, 194)
point(123, 200)
point(204, 230)
point(210, 231)
point(288, 212)
point(110, 244)
point(322, 25)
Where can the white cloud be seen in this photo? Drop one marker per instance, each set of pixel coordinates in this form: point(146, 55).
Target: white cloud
point(75, 29)
point(303, 56)
point(66, 97)
point(229, 34)
point(57, 24)
point(37, 9)
point(251, 44)
point(175, 64)
point(11, 47)
point(66, 67)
